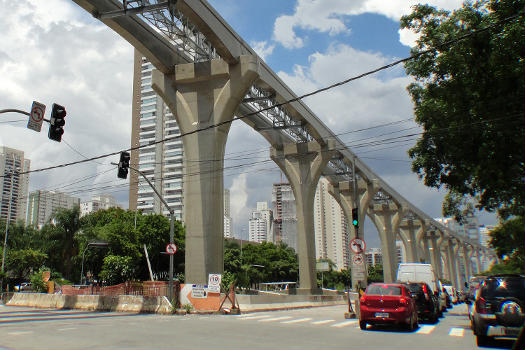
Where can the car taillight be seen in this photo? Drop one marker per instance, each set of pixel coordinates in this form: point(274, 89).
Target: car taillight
point(403, 301)
point(362, 300)
point(425, 290)
point(481, 306)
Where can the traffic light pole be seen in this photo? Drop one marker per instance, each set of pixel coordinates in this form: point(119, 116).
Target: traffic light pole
point(172, 228)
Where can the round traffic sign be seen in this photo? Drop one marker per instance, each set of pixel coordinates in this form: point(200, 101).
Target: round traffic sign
point(171, 248)
point(358, 259)
point(357, 245)
point(37, 113)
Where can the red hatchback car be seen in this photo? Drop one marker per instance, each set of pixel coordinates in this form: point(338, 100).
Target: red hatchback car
point(387, 303)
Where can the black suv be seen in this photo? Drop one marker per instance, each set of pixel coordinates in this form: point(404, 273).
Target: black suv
point(499, 308)
point(426, 303)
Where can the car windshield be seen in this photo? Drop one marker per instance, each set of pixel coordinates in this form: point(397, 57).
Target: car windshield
point(379, 289)
point(504, 287)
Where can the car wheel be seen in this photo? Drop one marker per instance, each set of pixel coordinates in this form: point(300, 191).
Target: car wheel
point(416, 323)
point(362, 324)
point(482, 340)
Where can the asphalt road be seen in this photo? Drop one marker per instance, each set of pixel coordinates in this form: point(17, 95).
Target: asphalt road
point(315, 328)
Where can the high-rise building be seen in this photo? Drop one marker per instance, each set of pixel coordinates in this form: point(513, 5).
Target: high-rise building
point(484, 237)
point(373, 257)
point(97, 202)
point(331, 228)
point(227, 215)
point(261, 224)
point(43, 204)
point(285, 216)
point(162, 163)
point(15, 186)
point(469, 228)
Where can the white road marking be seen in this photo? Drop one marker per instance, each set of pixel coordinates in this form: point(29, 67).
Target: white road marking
point(20, 333)
point(66, 329)
point(298, 320)
point(255, 317)
point(276, 319)
point(344, 324)
point(323, 322)
point(425, 329)
point(456, 332)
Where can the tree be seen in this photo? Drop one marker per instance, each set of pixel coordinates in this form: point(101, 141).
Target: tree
point(23, 261)
point(468, 98)
point(508, 241)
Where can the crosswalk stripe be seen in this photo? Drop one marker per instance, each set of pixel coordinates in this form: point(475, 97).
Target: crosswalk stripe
point(298, 320)
point(276, 319)
point(20, 333)
point(255, 317)
point(344, 324)
point(456, 332)
point(425, 329)
point(323, 322)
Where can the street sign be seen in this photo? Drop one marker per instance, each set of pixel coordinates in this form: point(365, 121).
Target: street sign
point(322, 266)
point(171, 248)
point(198, 291)
point(36, 117)
point(214, 282)
point(358, 259)
point(357, 245)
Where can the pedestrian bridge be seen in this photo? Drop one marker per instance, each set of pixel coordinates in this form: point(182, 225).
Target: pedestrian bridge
point(209, 76)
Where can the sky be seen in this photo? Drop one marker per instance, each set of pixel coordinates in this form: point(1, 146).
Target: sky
point(55, 52)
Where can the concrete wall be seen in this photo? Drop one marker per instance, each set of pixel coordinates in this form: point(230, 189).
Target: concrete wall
point(125, 303)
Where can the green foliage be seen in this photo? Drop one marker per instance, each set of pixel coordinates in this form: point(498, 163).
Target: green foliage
point(117, 269)
point(339, 280)
point(22, 262)
point(265, 262)
point(508, 241)
point(468, 98)
point(38, 284)
point(375, 273)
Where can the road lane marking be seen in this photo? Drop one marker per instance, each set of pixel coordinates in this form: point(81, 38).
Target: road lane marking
point(425, 329)
point(255, 317)
point(298, 320)
point(276, 319)
point(344, 324)
point(20, 333)
point(66, 329)
point(323, 322)
point(246, 315)
point(456, 332)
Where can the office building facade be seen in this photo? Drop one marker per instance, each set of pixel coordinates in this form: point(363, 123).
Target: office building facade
point(15, 186)
point(285, 215)
point(162, 162)
point(43, 204)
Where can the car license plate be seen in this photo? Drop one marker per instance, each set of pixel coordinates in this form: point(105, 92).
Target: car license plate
point(381, 314)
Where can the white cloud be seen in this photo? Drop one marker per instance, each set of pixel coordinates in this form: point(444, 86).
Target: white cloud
point(238, 195)
point(328, 16)
point(54, 53)
point(262, 48)
point(408, 37)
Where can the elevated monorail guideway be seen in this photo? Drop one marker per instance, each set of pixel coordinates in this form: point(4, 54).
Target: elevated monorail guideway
point(178, 32)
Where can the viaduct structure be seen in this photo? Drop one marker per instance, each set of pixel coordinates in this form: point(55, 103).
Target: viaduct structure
point(207, 74)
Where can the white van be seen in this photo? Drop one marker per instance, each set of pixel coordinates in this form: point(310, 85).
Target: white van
point(415, 272)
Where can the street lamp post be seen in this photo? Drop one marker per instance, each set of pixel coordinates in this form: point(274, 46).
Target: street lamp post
point(90, 244)
point(172, 228)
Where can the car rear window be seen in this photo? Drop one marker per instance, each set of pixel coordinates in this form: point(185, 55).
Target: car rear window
point(414, 287)
point(503, 288)
point(381, 289)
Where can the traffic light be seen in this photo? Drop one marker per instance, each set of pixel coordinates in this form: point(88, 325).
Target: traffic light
point(123, 165)
point(355, 219)
point(57, 122)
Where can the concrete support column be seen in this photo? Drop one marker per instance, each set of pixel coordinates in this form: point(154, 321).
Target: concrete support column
point(387, 218)
point(453, 270)
point(201, 95)
point(407, 231)
point(478, 260)
point(468, 264)
point(302, 163)
point(435, 253)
